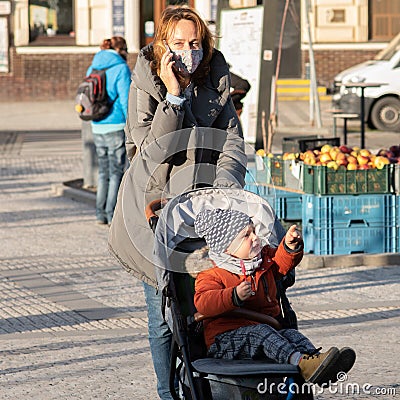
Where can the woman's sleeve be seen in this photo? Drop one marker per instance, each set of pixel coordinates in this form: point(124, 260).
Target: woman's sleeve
point(151, 125)
point(232, 161)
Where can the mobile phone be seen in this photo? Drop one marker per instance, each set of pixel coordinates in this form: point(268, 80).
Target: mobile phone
point(178, 63)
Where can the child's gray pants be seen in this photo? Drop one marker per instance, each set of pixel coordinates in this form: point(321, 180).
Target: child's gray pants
point(260, 341)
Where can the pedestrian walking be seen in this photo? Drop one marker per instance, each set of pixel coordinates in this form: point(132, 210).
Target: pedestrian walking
point(108, 133)
point(180, 85)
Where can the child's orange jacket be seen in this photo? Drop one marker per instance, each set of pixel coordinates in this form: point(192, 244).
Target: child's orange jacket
point(214, 289)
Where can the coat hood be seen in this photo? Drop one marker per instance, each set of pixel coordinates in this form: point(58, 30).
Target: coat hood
point(107, 59)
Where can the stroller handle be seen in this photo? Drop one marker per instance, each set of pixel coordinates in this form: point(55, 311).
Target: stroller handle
point(150, 212)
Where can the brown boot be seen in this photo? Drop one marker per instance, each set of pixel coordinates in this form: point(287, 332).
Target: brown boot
point(343, 364)
point(317, 368)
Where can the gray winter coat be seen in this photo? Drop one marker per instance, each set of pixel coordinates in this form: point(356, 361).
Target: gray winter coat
point(172, 149)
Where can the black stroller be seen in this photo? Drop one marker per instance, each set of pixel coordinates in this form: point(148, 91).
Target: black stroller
point(180, 255)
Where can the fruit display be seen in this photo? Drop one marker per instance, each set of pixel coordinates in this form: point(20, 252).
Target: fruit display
point(335, 170)
point(350, 158)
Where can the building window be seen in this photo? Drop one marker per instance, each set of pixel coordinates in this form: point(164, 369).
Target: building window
point(385, 19)
point(51, 22)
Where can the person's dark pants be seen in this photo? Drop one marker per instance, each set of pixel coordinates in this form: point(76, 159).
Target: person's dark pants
point(160, 338)
point(111, 154)
point(260, 341)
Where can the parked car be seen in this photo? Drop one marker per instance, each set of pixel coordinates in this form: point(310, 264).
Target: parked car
point(382, 104)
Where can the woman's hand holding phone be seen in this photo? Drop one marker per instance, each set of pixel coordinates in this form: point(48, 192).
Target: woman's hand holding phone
point(167, 73)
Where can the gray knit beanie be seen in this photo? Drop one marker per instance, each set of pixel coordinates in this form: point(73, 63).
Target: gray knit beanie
point(220, 227)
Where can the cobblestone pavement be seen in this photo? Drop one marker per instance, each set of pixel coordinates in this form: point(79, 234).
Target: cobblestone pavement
point(73, 323)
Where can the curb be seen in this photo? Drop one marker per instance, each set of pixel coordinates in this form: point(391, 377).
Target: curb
point(61, 190)
point(310, 261)
point(349, 260)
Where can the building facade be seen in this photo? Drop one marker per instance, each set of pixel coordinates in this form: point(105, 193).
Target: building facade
point(47, 45)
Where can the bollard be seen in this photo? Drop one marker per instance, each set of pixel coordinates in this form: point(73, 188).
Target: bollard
point(90, 163)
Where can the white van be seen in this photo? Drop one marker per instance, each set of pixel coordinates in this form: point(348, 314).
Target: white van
point(382, 104)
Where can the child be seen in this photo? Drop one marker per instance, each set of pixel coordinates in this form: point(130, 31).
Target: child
point(244, 276)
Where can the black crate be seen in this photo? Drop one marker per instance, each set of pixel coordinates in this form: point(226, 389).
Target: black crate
point(300, 144)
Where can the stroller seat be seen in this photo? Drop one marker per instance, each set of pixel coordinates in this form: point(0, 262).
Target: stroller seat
point(177, 252)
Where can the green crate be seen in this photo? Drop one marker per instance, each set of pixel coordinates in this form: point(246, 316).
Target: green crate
point(270, 170)
point(324, 180)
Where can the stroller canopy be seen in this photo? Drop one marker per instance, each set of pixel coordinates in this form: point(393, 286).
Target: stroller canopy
point(176, 239)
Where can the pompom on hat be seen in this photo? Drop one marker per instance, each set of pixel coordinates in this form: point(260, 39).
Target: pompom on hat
point(220, 227)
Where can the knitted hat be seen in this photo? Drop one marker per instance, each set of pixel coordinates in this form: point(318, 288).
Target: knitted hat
point(220, 227)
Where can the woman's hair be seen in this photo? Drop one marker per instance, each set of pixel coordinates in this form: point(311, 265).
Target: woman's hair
point(169, 19)
point(116, 43)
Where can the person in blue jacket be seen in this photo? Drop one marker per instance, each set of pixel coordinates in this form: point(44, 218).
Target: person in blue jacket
point(108, 133)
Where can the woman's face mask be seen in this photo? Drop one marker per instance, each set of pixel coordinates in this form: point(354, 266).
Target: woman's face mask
point(187, 61)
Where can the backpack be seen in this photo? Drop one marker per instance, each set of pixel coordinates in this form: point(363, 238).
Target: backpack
point(92, 102)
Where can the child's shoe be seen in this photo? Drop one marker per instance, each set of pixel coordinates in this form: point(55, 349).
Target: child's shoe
point(320, 368)
point(344, 363)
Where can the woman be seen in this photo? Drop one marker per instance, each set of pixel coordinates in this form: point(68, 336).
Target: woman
point(108, 133)
point(182, 133)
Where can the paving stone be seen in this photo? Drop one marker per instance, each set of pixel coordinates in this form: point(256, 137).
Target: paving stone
point(50, 349)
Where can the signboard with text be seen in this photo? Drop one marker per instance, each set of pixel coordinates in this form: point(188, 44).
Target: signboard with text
point(118, 17)
point(240, 43)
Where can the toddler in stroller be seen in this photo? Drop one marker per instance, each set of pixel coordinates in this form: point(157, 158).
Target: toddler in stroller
point(244, 276)
point(181, 255)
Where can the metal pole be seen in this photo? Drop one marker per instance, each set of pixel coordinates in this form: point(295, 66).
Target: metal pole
point(313, 77)
point(267, 68)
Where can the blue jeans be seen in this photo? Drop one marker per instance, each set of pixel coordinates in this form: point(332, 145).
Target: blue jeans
point(160, 337)
point(111, 154)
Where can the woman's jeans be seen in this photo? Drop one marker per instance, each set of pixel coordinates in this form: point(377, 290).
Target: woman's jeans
point(160, 338)
point(111, 154)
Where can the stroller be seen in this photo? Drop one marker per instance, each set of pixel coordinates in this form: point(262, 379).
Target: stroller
point(179, 255)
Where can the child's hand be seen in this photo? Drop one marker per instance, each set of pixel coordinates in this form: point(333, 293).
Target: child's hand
point(293, 237)
point(243, 290)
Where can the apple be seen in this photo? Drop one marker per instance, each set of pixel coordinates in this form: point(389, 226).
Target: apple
point(326, 148)
point(345, 149)
point(325, 157)
point(354, 153)
point(352, 160)
point(332, 164)
point(334, 152)
point(395, 150)
point(365, 152)
point(261, 152)
point(352, 166)
point(381, 161)
point(362, 160)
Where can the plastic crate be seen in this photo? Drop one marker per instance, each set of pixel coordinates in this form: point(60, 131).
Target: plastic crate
point(347, 211)
point(396, 178)
point(270, 170)
point(291, 144)
point(354, 240)
point(302, 144)
point(324, 180)
point(289, 205)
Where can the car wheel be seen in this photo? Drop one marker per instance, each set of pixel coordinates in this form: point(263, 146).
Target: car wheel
point(385, 114)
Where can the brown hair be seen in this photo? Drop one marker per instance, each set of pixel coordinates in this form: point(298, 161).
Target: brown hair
point(169, 18)
point(116, 43)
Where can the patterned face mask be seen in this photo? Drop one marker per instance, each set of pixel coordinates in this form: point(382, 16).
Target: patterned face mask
point(187, 61)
